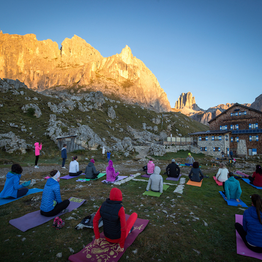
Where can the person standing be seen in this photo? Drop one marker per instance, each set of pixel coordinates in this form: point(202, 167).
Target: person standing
point(38, 147)
point(108, 154)
point(173, 169)
point(64, 155)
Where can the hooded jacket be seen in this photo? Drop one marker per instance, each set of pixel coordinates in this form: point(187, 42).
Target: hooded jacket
point(155, 181)
point(63, 153)
point(51, 193)
point(91, 171)
point(232, 188)
point(110, 172)
point(196, 174)
point(150, 167)
point(113, 215)
point(38, 147)
point(253, 227)
point(11, 185)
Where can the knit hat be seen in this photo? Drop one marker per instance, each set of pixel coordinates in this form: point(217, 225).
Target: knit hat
point(92, 161)
point(189, 154)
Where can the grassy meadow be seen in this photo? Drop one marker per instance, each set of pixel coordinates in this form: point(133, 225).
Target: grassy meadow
point(197, 225)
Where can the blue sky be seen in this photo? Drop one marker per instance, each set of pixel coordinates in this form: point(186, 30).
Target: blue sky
point(212, 48)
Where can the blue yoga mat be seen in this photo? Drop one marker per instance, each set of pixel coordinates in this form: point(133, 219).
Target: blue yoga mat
point(233, 202)
point(248, 182)
point(4, 201)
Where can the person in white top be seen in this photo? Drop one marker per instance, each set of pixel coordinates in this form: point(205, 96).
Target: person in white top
point(74, 167)
point(222, 174)
point(155, 182)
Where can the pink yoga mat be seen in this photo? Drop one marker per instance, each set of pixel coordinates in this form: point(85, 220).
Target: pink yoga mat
point(173, 178)
point(242, 174)
point(35, 219)
point(106, 251)
point(218, 182)
point(241, 247)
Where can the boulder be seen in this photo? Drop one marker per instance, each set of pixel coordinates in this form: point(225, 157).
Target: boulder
point(157, 150)
point(111, 113)
point(38, 112)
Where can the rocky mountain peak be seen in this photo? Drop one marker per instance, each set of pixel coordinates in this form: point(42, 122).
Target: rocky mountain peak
point(257, 104)
point(126, 55)
point(185, 100)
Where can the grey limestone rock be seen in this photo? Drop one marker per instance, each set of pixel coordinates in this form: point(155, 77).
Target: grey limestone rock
point(38, 112)
point(157, 150)
point(111, 113)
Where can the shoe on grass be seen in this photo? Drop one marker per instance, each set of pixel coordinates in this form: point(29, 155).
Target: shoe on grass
point(36, 166)
point(64, 167)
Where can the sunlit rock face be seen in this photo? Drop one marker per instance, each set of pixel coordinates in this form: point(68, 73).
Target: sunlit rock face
point(42, 65)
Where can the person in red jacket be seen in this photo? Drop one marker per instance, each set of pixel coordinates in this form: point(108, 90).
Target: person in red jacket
point(116, 227)
point(256, 179)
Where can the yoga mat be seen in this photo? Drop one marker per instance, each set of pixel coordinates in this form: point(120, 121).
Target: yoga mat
point(106, 251)
point(89, 179)
point(241, 247)
point(186, 164)
point(118, 179)
point(218, 182)
point(182, 165)
point(233, 202)
point(35, 219)
point(4, 201)
point(242, 174)
point(156, 194)
point(69, 177)
point(248, 182)
point(192, 183)
point(145, 176)
point(174, 178)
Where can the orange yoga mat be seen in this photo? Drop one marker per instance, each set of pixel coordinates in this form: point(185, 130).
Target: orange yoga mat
point(192, 183)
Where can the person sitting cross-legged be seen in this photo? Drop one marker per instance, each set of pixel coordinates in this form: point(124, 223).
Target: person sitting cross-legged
point(90, 171)
point(150, 167)
point(173, 169)
point(155, 182)
point(195, 174)
point(74, 167)
point(232, 188)
point(116, 227)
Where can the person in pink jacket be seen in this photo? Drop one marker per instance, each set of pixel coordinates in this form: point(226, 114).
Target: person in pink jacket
point(111, 175)
point(150, 167)
point(38, 147)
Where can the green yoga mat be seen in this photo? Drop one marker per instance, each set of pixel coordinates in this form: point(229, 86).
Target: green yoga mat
point(89, 179)
point(156, 194)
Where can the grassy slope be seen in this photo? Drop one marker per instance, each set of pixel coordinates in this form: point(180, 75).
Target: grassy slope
point(162, 239)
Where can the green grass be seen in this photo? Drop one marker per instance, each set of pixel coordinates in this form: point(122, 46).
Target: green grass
point(169, 237)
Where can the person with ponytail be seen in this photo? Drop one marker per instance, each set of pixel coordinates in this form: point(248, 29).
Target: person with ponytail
point(51, 203)
point(74, 167)
point(251, 231)
point(256, 179)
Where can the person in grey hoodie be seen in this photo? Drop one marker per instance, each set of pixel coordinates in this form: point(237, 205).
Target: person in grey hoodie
point(90, 171)
point(155, 182)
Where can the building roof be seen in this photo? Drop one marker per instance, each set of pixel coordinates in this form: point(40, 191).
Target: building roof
point(236, 104)
point(215, 132)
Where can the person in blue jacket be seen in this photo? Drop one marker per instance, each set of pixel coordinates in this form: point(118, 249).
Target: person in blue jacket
point(108, 154)
point(232, 188)
point(12, 189)
point(63, 155)
point(251, 231)
point(51, 203)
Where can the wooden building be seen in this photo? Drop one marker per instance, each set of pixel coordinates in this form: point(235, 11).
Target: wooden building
point(239, 129)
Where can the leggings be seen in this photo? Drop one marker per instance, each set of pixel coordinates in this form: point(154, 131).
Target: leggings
point(129, 223)
point(243, 233)
point(63, 162)
point(36, 160)
point(75, 174)
point(57, 209)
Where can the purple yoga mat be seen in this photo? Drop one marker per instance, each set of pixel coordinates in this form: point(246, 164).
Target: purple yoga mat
point(118, 179)
point(69, 177)
point(174, 178)
point(35, 219)
point(241, 247)
point(106, 251)
point(145, 176)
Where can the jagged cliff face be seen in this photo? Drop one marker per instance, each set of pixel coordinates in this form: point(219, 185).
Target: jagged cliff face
point(42, 65)
point(257, 104)
point(185, 100)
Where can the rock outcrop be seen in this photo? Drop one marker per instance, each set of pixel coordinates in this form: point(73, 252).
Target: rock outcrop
point(186, 100)
point(257, 104)
point(42, 65)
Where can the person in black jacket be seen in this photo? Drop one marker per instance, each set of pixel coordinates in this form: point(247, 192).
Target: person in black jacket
point(90, 171)
point(173, 169)
point(196, 174)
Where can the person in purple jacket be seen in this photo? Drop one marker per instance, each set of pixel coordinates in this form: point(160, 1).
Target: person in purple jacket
point(251, 231)
point(111, 175)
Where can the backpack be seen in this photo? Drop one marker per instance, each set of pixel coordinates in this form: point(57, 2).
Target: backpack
point(87, 222)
